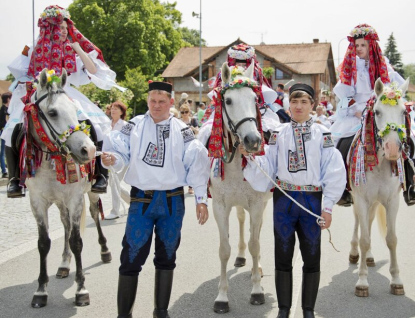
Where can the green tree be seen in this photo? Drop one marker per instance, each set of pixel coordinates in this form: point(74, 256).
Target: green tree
point(391, 52)
point(131, 33)
point(191, 36)
point(409, 71)
point(10, 77)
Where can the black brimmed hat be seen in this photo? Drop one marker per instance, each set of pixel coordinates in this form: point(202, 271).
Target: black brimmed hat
point(302, 87)
point(160, 86)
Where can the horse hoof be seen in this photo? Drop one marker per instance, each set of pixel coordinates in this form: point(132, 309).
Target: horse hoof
point(240, 262)
point(106, 257)
point(361, 291)
point(62, 272)
point(257, 299)
point(221, 307)
point(370, 262)
point(39, 301)
point(397, 290)
point(82, 300)
point(353, 259)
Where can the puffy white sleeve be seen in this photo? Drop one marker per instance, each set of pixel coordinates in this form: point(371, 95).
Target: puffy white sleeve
point(197, 165)
point(118, 143)
point(104, 78)
point(333, 174)
point(268, 163)
point(393, 75)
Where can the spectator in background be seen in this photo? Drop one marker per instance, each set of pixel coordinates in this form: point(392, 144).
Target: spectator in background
point(108, 111)
point(174, 111)
point(320, 117)
point(282, 105)
point(6, 97)
point(183, 99)
point(201, 113)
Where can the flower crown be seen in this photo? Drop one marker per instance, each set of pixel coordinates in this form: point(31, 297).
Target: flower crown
point(238, 83)
point(55, 12)
point(391, 95)
point(67, 133)
point(51, 78)
point(400, 129)
point(362, 30)
point(241, 52)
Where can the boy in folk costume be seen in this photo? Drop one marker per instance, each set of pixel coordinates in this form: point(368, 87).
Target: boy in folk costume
point(302, 159)
point(163, 156)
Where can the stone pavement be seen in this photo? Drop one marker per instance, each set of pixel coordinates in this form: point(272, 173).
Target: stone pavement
point(18, 226)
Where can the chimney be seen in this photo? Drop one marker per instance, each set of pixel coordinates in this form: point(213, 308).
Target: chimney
point(315, 40)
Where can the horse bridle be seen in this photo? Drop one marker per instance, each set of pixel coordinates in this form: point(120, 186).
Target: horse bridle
point(233, 128)
point(63, 149)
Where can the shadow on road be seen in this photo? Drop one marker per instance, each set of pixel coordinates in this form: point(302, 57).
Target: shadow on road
point(200, 303)
point(339, 296)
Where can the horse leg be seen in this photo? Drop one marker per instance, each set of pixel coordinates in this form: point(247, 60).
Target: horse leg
point(64, 268)
point(361, 209)
point(396, 286)
point(75, 242)
point(257, 293)
point(106, 256)
point(222, 219)
point(370, 260)
point(354, 251)
point(240, 259)
point(40, 297)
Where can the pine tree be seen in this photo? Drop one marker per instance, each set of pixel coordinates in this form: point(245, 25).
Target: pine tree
point(391, 52)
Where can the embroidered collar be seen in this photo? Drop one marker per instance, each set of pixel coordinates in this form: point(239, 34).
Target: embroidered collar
point(307, 123)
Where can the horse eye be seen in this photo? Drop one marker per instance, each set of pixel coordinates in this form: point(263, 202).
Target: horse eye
point(377, 113)
point(52, 113)
point(228, 101)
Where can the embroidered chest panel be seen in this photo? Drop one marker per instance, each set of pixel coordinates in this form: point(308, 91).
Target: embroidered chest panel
point(297, 160)
point(155, 154)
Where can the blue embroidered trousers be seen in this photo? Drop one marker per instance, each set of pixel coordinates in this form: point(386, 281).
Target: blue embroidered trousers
point(158, 211)
point(288, 219)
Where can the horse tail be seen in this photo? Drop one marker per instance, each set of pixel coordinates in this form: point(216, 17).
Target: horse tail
point(381, 217)
point(83, 220)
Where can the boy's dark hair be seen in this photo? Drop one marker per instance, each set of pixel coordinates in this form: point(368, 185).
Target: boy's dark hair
point(5, 97)
point(281, 86)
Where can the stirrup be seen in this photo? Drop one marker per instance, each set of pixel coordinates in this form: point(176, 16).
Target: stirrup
point(407, 196)
point(16, 194)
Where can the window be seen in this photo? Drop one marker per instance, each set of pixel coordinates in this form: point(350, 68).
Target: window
point(281, 75)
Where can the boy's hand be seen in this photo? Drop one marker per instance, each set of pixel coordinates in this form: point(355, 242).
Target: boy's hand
point(202, 213)
point(327, 219)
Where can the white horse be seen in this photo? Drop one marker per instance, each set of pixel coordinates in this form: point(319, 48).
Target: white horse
point(56, 112)
point(239, 117)
point(380, 194)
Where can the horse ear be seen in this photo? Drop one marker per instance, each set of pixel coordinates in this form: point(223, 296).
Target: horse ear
point(43, 79)
point(404, 87)
point(225, 73)
point(63, 77)
point(379, 87)
point(250, 71)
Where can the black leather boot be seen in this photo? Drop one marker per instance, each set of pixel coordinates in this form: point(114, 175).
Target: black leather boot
point(14, 190)
point(162, 291)
point(409, 193)
point(284, 286)
point(101, 174)
point(346, 199)
point(311, 281)
point(127, 290)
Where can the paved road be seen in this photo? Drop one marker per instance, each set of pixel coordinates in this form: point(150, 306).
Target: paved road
point(196, 276)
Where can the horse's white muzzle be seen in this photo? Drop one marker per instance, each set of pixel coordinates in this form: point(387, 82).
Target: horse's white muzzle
point(392, 149)
point(252, 141)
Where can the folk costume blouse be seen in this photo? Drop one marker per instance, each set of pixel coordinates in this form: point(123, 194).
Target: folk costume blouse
point(161, 156)
point(346, 123)
point(300, 155)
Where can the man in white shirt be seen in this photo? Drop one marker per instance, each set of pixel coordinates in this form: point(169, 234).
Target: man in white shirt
point(163, 156)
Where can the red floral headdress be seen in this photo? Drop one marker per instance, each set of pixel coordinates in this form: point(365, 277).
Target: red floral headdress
point(49, 51)
point(377, 63)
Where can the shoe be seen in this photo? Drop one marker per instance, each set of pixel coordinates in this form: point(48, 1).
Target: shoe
point(100, 185)
point(409, 195)
point(112, 216)
point(191, 191)
point(5, 175)
point(346, 199)
point(14, 190)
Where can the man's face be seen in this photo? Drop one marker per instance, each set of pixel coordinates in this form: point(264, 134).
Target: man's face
point(300, 109)
point(159, 105)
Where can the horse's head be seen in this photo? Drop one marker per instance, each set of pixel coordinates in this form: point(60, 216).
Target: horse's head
point(58, 117)
point(390, 114)
point(239, 105)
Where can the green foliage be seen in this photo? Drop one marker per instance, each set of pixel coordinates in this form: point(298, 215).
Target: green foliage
point(268, 72)
point(10, 77)
point(191, 37)
point(131, 33)
point(391, 52)
point(409, 71)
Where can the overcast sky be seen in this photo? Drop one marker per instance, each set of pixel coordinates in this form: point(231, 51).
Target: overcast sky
point(270, 21)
